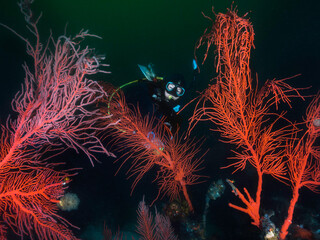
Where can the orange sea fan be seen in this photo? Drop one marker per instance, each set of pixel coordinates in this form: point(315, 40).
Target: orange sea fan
point(240, 110)
point(303, 160)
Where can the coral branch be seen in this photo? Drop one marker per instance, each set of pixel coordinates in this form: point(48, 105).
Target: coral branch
point(240, 110)
point(253, 206)
point(150, 144)
point(160, 229)
point(54, 111)
point(303, 161)
point(28, 200)
point(54, 107)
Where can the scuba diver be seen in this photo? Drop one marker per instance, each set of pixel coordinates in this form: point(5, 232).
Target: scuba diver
point(166, 94)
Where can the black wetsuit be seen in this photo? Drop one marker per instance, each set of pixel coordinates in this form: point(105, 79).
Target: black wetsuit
point(164, 106)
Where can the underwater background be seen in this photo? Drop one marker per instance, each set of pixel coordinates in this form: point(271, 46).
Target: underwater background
point(287, 42)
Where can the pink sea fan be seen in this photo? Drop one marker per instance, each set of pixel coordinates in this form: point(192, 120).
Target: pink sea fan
point(159, 229)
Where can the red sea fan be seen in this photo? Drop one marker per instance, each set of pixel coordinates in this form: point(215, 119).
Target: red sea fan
point(3, 231)
point(54, 112)
point(240, 111)
point(28, 198)
point(148, 143)
point(303, 160)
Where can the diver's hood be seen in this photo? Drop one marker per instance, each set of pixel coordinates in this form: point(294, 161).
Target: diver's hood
point(176, 78)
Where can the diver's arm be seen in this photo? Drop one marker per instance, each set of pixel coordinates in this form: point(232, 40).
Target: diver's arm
point(195, 76)
point(155, 79)
point(142, 79)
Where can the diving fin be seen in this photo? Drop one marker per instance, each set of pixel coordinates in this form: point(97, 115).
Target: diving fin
point(147, 71)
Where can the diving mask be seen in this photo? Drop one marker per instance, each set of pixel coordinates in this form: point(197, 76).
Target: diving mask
point(175, 89)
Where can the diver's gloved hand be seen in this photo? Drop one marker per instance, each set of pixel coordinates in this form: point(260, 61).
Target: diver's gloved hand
point(176, 108)
point(194, 65)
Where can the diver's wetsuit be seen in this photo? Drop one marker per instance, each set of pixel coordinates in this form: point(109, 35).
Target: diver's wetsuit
point(164, 106)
